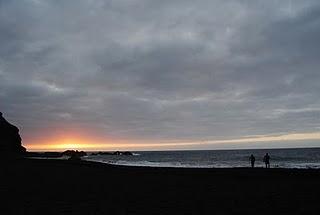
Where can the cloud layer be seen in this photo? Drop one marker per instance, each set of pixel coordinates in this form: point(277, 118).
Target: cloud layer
point(160, 70)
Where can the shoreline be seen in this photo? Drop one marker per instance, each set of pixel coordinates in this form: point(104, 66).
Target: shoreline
point(203, 167)
point(174, 167)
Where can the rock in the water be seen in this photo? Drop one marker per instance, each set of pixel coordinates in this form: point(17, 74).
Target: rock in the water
point(71, 153)
point(112, 153)
point(127, 153)
point(10, 140)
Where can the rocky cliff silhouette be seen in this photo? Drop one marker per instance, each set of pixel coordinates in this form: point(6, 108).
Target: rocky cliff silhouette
point(10, 140)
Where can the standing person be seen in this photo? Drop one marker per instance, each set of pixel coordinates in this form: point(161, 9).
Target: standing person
point(266, 160)
point(252, 159)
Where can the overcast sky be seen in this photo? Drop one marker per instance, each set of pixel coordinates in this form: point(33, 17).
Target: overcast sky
point(160, 71)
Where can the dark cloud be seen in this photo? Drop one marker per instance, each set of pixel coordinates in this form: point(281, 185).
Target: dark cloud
point(161, 70)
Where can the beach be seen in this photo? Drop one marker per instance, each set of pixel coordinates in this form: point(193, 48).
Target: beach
point(48, 186)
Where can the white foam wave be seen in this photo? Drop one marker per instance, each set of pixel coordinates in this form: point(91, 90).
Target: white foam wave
point(159, 164)
point(198, 165)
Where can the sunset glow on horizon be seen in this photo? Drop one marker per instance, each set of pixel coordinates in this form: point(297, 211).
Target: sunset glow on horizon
point(94, 145)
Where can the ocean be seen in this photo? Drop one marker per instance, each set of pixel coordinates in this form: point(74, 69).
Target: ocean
point(279, 158)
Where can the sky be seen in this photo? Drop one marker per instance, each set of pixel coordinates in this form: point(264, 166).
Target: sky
point(161, 75)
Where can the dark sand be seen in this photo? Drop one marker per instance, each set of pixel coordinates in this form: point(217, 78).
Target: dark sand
point(65, 187)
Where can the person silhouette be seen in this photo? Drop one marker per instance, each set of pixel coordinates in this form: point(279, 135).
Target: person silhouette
point(266, 160)
point(252, 159)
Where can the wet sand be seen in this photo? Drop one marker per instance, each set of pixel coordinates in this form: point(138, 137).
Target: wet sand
point(63, 187)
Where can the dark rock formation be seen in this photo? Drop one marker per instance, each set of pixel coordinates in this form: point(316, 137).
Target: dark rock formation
point(127, 153)
point(10, 140)
point(117, 153)
point(113, 153)
point(74, 153)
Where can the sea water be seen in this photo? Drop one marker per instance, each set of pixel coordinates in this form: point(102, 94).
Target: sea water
point(279, 158)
